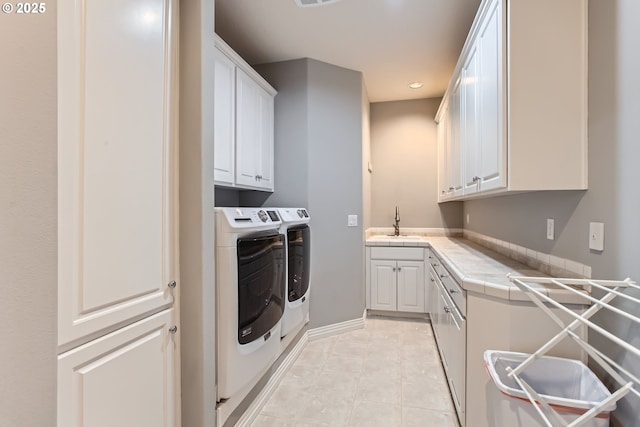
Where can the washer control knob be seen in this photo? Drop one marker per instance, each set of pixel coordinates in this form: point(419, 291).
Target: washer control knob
point(263, 216)
point(300, 213)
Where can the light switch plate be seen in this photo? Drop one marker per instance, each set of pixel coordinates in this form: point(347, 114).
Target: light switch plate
point(596, 236)
point(352, 220)
point(550, 228)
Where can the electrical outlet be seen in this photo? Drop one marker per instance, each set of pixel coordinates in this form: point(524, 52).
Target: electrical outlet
point(550, 228)
point(352, 220)
point(596, 236)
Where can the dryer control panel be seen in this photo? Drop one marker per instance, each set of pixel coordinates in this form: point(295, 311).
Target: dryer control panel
point(249, 218)
point(294, 215)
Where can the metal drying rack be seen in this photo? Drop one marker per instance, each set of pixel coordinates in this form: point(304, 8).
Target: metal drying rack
point(625, 381)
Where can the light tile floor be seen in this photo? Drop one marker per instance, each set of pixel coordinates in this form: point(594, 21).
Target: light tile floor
point(387, 374)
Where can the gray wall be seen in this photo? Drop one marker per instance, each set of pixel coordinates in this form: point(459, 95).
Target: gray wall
point(28, 218)
point(335, 190)
point(318, 133)
point(405, 167)
point(197, 266)
point(612, 198)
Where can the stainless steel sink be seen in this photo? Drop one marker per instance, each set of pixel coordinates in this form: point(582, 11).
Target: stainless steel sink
point(394, 237)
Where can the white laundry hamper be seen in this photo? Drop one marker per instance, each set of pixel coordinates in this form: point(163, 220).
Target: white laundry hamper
point(568, 385)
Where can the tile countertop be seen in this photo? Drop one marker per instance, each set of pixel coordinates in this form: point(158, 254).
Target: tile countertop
point(479, 269)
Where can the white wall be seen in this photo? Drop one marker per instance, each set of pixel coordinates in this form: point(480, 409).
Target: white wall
point(404, 160)
point(28, 218)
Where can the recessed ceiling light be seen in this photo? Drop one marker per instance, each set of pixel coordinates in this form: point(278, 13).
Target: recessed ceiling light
point(415, 85)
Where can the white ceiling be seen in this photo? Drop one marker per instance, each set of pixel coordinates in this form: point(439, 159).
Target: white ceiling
point(392, 42)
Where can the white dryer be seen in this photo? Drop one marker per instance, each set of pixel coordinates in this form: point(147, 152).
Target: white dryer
point(250, 290)
point(295, 227)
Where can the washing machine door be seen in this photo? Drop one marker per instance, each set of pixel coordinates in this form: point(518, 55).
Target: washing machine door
point(261, 285)
point(299, 260)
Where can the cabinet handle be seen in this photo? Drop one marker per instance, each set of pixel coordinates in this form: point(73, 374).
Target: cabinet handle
point(393, 269)
point(399, 268)
point(173, 329)
point(432, 279)
point(452, 291)
point(172, 284)
point(442, 276)
point(446, 309)
point(450, 188)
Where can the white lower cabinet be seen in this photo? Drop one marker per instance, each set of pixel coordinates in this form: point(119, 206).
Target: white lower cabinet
point(395, 279)
point(125, 378)
point(449, 326)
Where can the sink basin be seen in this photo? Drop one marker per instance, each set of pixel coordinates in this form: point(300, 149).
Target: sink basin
point(393, 237)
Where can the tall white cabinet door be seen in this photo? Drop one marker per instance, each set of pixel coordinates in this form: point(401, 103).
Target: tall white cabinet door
point(383, 285)
point(492, 156)
point(411, 286)
point(265, 168)
point(224, 119)
point(470, 130)
point(123, 379)
point(117, 167)
point(443, 132)
point(247, 130)
point(254, 134)
point(454, 153)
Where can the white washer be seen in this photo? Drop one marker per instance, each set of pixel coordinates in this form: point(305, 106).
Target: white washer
point(250, 290)
point(295, 227)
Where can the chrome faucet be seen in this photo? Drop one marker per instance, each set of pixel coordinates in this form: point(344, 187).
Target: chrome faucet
point(396, 226)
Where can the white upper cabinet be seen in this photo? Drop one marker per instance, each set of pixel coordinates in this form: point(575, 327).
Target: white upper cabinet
point(521, 83)
point(243, 121)
point(224, 119)
point(117, 164)
point(254, 139)
point(490, 161)
point(449, 138)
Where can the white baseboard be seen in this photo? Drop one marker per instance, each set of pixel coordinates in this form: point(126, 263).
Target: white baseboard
point(254, 409)
point(337, 328)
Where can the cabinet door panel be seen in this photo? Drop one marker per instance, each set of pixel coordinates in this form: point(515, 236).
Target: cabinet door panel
point(454, 153)
point(383, 285)
point(457, 362)
point(224, 119)
point(122, 379)
point(116, 162)
point(247, 129)
point(470, 129)
point(443, 135)
point(443, 328)
point(265, 170)
point(491, 161)
point(411, 286)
